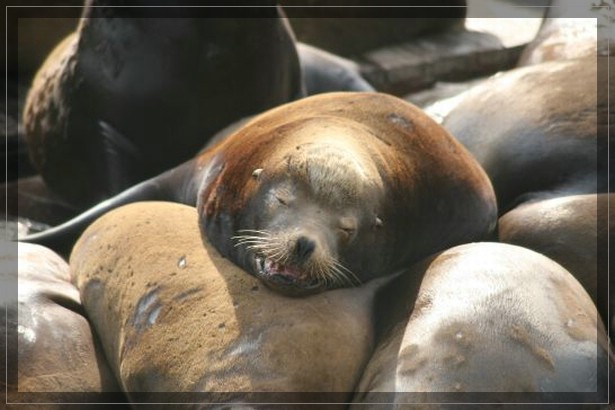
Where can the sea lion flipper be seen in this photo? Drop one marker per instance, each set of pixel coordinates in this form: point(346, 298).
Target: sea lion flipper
point(116, 143)
point(172, 185)
point(62, 237)
point(119, 154)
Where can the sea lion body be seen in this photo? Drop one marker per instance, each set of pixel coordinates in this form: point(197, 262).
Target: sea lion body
point(571, 230)
point(53, 353)
point(486, 322)
point(328, 191)
point(538, 131)
point(133, 93)
point(175, 316)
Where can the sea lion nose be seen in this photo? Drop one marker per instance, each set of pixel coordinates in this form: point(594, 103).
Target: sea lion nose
point(304, 248)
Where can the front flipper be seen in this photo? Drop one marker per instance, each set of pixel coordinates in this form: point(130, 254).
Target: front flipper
point(120, 157)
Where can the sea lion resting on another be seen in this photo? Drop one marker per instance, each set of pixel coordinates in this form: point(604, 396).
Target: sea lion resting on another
point(328, 191)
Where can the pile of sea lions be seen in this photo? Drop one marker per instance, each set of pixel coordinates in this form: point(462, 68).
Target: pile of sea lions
point(327, 243)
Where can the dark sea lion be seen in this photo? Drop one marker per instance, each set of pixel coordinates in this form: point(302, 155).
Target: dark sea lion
point(133, 92)
point(486, 323)
point(175, 316)
point(538, 131)
point(325, 72)
point(571, 230)
point(58, 356)
point(331, 190)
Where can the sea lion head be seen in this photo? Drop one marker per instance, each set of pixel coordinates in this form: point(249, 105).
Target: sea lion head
point(310, 216)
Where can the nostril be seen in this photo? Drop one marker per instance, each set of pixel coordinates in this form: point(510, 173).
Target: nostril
point(304, 248)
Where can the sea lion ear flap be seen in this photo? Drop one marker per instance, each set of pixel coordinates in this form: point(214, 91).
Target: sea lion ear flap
point(256, 173)
point(210, 179)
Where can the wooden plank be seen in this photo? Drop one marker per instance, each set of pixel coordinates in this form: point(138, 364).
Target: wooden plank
point(482, 47)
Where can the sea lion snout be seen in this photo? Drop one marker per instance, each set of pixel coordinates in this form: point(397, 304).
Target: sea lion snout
point(304, 248)
point(298, 260)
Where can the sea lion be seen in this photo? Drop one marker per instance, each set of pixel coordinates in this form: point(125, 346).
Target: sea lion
point(331, 190)
point(57, 356)
point(538, 131)
point(175, 316)
point(136, 91)
point(486, 323)
point(325, 72)
point(571, 30)
point(571, 230)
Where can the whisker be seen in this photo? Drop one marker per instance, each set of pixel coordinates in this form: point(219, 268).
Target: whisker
point(264, 247)
point(241, 243)
point(240, 237)
point(278, 253)
point(243, 240)
point(321, 274)
point(344, 279)
point(251, 240)
point(255, 231)
point(352, 278)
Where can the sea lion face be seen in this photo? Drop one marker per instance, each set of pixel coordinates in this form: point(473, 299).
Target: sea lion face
point(313, 219)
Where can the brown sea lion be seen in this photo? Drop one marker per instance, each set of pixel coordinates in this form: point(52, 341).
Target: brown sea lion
point(57, 356)
point(175, 316)
point(328, 191)
point(538, 131)
point(571, 230)
point(136, 91)
point(486, 323)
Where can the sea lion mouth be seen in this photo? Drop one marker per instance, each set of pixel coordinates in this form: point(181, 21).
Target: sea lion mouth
point(284, 277)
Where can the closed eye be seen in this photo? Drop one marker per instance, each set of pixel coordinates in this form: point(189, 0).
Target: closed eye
point(282, 200)
point(347, 226)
